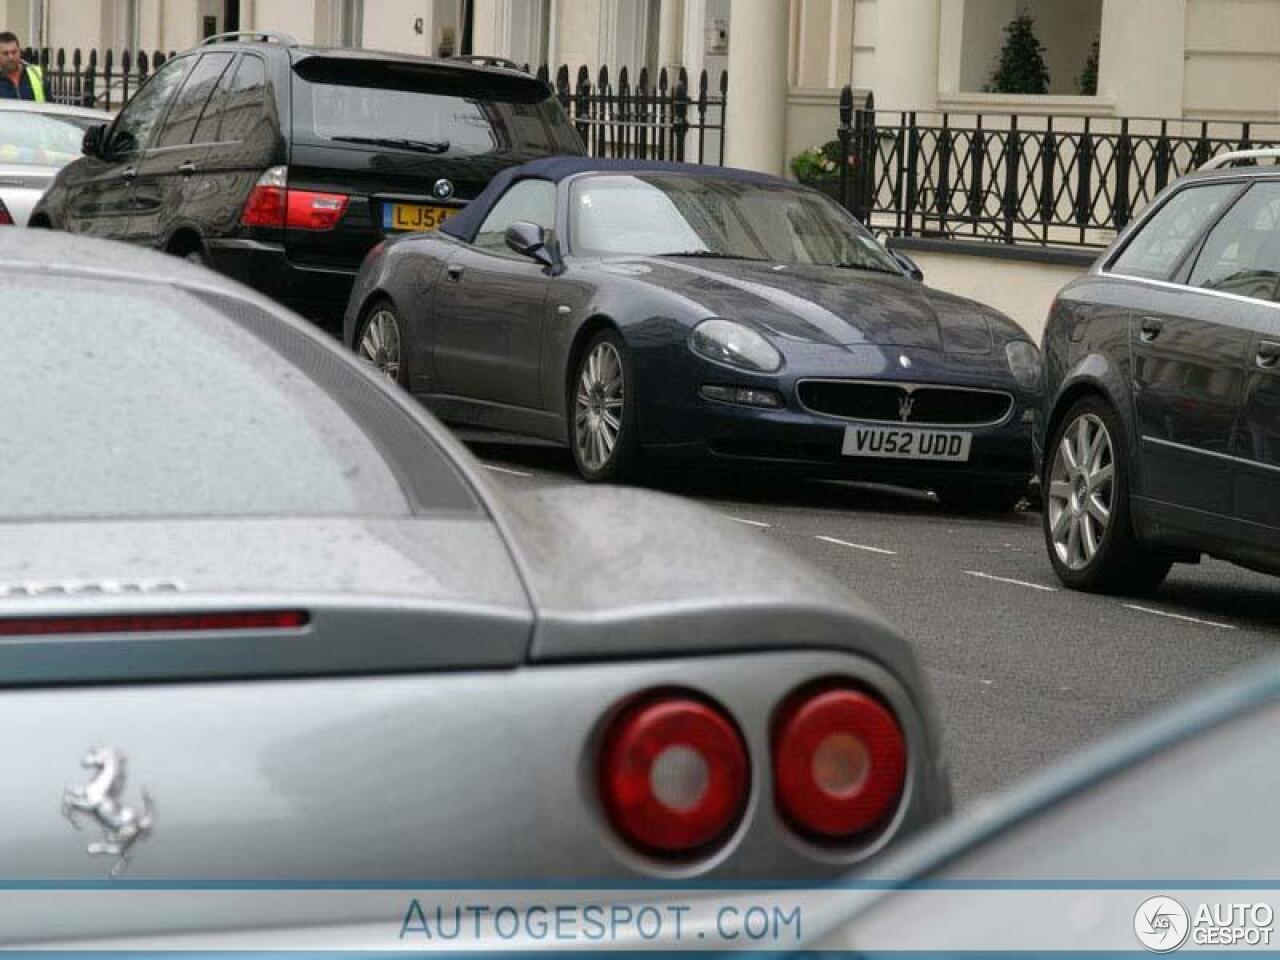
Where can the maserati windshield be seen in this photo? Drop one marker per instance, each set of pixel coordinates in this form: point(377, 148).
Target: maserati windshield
point(699, 216)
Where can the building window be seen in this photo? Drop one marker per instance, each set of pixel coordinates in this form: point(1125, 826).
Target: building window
point(629, 33)
point(1066, 29)
point(132, 25)
point(347, 23)
point(528, 25)
point(38, 30)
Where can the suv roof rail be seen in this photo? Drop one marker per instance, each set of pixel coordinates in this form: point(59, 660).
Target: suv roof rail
point(1226, 159)
point(484, 60)
point(266, 36)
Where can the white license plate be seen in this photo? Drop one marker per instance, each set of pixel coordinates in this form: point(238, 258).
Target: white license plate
point(903, 443)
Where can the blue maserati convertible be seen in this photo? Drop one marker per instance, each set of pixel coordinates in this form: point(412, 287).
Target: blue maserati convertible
point(644, 311)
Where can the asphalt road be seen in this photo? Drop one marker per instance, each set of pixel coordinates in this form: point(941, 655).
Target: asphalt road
point(1023, 671)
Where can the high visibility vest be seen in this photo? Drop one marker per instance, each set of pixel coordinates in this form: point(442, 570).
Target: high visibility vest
point(35, 76)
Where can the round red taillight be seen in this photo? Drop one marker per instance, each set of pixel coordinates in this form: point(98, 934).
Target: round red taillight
point(839, 762)
point(674, 774)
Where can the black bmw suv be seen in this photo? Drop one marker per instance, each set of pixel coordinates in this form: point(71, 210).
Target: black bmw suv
point(283, 165)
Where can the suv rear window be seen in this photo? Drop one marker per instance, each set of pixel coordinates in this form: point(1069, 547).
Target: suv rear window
point(471, 111)
point(136, 400)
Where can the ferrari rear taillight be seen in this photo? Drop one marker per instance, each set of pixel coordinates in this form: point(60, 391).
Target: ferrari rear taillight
point(273, 203)
point(839, 762)
point(674, 774)
point(153, 623)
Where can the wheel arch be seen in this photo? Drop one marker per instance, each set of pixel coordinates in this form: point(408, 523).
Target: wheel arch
point(1096, 376)
point(185, 240)
point(589, 327)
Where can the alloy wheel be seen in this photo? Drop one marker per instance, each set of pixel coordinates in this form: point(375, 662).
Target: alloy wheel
point(1082, 491)
point(380, 343)
point(598, 404)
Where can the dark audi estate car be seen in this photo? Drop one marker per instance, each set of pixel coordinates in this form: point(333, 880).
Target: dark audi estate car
point(282, 165)
point(1162, 367)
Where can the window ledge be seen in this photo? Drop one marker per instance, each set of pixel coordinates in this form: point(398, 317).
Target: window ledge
point(822, 96)
point(1052, 104)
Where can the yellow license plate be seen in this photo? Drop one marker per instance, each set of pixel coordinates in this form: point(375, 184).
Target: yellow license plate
point(414, 216)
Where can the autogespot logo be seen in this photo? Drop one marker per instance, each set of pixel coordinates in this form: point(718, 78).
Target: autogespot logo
point(1162, 924)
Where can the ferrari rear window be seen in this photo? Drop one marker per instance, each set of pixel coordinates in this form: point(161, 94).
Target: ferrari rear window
point(133, 400)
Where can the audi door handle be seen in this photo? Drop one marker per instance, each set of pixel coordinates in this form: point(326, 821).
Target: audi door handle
point(1150, 328)
point(454, 271)
point(129, 174)
point(1268, 353)
point(188, 169)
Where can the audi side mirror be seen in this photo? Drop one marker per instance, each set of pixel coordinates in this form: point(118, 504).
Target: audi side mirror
point(530, 240)
point(910, 266)
point(92, 144)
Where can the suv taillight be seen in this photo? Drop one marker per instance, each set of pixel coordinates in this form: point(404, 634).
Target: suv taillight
point(273, 204)
point(266, 204)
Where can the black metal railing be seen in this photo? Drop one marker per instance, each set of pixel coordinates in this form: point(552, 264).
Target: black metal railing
point(1014, 178)
point(654, 118)
point(89, 80)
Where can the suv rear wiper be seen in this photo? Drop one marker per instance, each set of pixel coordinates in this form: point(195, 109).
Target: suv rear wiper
point(709, 255)
point(422, 146)
point(850, 265)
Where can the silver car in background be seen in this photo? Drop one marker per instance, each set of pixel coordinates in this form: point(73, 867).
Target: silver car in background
point(263, 619)
point(36, 141)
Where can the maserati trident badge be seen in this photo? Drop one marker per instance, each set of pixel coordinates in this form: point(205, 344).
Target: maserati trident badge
point(101, 800)
point(905, 403)
point(442, 189)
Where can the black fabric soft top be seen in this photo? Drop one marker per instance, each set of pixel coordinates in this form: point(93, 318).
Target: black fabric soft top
point(465, 224)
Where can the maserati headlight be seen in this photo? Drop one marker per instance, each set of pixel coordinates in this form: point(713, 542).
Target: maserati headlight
point(739, 346)
point(1024, 363)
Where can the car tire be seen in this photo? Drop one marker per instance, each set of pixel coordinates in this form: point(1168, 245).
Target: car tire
point(601, 408)
point(1087, 523)
point(973, 497)
point(380, 341)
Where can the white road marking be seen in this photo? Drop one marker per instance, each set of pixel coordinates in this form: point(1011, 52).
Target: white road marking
point(1179, 616)
point(858, 546)
point(514, 473)
point(1016, 583)
point(749, 523)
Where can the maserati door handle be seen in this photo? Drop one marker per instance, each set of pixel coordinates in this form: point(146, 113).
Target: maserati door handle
point(1268, 354)
point(1149, 328)
point(454, 272)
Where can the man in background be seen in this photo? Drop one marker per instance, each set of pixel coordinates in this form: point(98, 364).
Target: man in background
point(18, 80)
